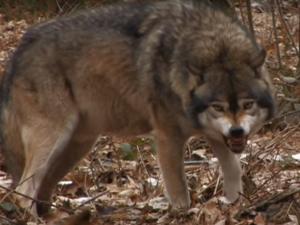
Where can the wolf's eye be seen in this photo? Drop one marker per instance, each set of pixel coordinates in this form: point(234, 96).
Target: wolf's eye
point(218, 108)
point(248, 105)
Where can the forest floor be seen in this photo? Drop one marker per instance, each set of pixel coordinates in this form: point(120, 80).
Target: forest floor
point(119, 181)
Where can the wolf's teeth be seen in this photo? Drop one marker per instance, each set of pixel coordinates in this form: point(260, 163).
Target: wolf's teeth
point(236, 142)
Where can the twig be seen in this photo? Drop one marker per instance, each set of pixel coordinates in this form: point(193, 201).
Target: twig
point(98, 146)
point(283, 84)
point(272, 144)
point(7, 194)
point(189, 151)
point(8, 220)
point(289, 208)
point(299, 37)
point(293, 100)
point(191, 163)
point(266, 181)
point(118, 159)
point(280, 197)
point(246, 197)
point(275, 33)
point(196, 162)
point(287, 28)
point(142, 161)
point(35, 200)
point(273, 200)
point(92, 199)
point(249, 14)
point(217, 184)
point(10, 192)
point(207, 187)
point(242, 14)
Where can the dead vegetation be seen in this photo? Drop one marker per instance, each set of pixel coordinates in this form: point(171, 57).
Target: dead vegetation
point(119, 182)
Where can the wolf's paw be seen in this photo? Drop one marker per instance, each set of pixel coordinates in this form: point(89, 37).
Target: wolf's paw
point(233, 196)
point(182, 205)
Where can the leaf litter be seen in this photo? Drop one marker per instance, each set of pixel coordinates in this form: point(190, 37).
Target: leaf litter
point(119, 181)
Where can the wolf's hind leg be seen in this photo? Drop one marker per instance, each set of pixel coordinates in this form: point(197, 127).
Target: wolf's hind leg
point(43, 140)
point(58, 165)
point(11, 146)
point(232, 171)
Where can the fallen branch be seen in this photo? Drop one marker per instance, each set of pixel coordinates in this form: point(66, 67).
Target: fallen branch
point(35, 200)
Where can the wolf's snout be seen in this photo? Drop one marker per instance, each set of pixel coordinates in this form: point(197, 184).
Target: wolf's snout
point(236, 131)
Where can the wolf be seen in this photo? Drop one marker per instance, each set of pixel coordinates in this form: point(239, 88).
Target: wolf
point(172, 69)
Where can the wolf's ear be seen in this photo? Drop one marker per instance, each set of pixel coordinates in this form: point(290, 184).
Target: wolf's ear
point(259, 59)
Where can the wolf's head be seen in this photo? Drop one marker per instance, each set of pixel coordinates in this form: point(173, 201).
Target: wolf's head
point(232, 101)
point(219, 73)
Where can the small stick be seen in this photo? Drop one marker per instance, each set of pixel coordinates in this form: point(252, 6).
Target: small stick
point(92, 199)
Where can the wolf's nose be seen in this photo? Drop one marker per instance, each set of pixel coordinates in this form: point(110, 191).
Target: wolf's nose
point(236, 131)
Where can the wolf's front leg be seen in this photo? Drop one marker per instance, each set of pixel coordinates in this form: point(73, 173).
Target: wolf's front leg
point(170, 158)
point(231, 168)
point(170, 141)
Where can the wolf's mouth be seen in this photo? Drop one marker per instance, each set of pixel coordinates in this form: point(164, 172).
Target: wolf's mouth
point(236, 145)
